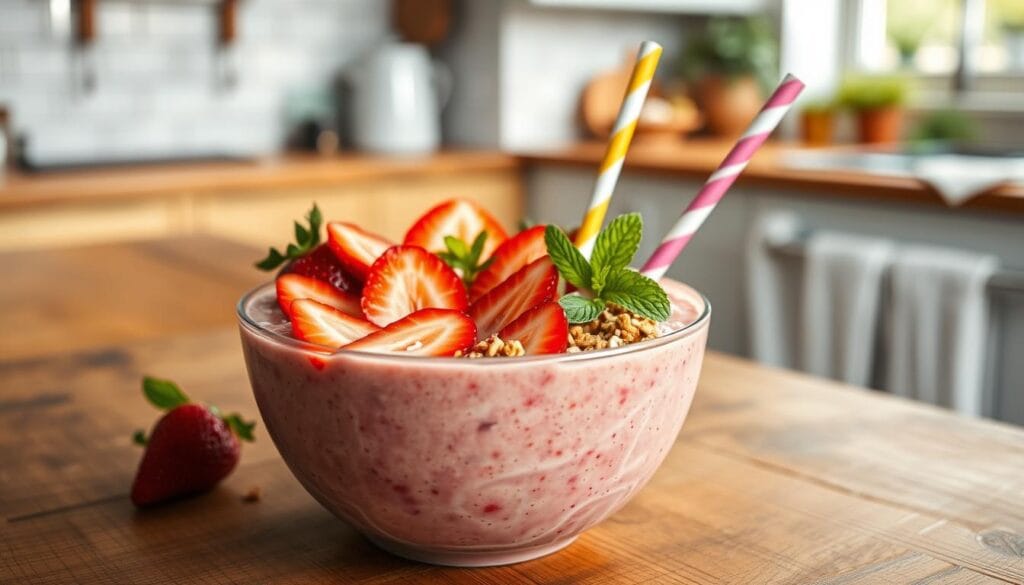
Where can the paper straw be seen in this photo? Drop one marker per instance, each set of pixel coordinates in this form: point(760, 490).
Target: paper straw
point(618, 144)
point(723, 177)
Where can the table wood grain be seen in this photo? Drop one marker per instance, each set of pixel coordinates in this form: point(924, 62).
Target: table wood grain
point(777, 477)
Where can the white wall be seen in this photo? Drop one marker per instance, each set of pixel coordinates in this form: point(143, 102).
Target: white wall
point(520, 68)
point(155, 92)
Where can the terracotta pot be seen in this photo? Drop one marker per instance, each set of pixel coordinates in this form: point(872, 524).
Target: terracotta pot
point(729, 104)
point(880, 126)
point(817, 128)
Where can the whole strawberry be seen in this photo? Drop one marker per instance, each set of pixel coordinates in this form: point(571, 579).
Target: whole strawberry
point(190, 450)
point(308, 257)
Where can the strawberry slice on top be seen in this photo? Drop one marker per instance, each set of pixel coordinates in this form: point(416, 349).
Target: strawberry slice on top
point(531, 285)
point(542, 329)
point(291, 287)
point(406, 279)
point(355, 248)
point(510, 256)
point(459, 218)
point(324, 325)
point(427, 332)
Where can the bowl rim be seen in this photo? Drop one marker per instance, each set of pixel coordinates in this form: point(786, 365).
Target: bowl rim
point(278, 339)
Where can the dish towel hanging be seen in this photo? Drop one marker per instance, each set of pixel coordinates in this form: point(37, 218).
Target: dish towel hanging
point(840, 302)
point(938, 331)
point(771, 311)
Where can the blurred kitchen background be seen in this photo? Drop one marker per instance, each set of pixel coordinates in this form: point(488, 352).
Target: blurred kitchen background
point(878, 240)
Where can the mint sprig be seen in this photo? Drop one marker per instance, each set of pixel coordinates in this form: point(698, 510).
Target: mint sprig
point(465, 258)
point(607, 277)
point(305, 240)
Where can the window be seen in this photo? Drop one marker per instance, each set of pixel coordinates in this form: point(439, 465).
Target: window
point(964, 39)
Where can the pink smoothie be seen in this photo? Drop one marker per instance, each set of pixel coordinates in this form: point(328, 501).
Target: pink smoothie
point(473, 462)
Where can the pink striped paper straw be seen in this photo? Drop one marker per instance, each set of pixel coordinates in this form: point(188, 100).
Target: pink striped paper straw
point(724, 176)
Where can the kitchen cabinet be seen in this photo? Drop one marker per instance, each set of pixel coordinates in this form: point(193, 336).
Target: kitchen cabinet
point(254, 204)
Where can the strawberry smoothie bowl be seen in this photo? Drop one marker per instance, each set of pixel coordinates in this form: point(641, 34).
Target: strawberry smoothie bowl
point(443, 401)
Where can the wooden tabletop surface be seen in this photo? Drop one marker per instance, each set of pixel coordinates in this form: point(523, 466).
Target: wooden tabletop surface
point(777, 477)
point(696, 159)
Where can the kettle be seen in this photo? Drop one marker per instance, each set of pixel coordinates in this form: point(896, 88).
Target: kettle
point(397, 96)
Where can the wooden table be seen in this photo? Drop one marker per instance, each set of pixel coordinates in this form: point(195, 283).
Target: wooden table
point(777, 477)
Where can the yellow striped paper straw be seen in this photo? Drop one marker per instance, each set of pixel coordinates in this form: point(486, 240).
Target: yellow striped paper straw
point(618, 144)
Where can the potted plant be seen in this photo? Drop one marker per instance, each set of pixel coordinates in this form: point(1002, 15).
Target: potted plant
point(879, 105)
point(729, 67)
point(817, 123)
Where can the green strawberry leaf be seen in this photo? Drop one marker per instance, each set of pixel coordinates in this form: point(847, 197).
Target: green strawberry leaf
point(567, 259)
point(163, 394)
point(239, 426)
point(305, 240)
point(617, 244)
point(464, 258)
point(637, 293)
point(580, 309)
point(139, 437)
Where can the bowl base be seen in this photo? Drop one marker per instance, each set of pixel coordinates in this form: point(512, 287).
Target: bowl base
point(468, 558)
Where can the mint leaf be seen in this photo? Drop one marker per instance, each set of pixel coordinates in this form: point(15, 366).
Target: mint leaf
point(637, 293)
point(240, 427)
point(599, 279)
point(617, 244)
point(163, 394)
point(567, 259)
point(477, 249)
point(139, 437)
point(305, 240)
point(580, 309)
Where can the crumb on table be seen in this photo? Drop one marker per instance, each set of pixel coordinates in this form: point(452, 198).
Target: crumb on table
point(614, 327)
point(253, 495)
point(493, 346)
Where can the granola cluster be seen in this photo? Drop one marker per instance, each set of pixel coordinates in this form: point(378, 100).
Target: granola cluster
point(614, 327)
point(493, 346)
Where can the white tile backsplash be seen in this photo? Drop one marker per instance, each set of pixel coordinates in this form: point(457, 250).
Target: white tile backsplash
point(155, 64)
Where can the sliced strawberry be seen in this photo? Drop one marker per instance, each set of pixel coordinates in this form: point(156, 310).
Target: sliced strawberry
point(321, 264)
point(355, 248)
point(439, 332)
point(319, 323)
point(456, 217)
point(406, 279)
point(531, 285)
point(510, 256)
point(542, 329)
point(291, 287)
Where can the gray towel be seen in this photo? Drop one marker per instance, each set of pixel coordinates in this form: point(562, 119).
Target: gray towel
point(841, 289)
point(938, 331)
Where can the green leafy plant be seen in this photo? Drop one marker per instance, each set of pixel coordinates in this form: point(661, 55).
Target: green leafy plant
point(875, 92)
point(945, 125)
point(465, 258)
point(305, 240)
point(607, 276)
point(733, 48)
point(166, 396)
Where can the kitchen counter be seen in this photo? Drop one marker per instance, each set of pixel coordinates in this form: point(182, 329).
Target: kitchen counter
point(696, 159)
point(20, 190)
point(777, 477)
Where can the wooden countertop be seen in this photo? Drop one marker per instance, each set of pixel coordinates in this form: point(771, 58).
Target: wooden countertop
point(19, 190)
point(696, 159)
point(777, 477)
